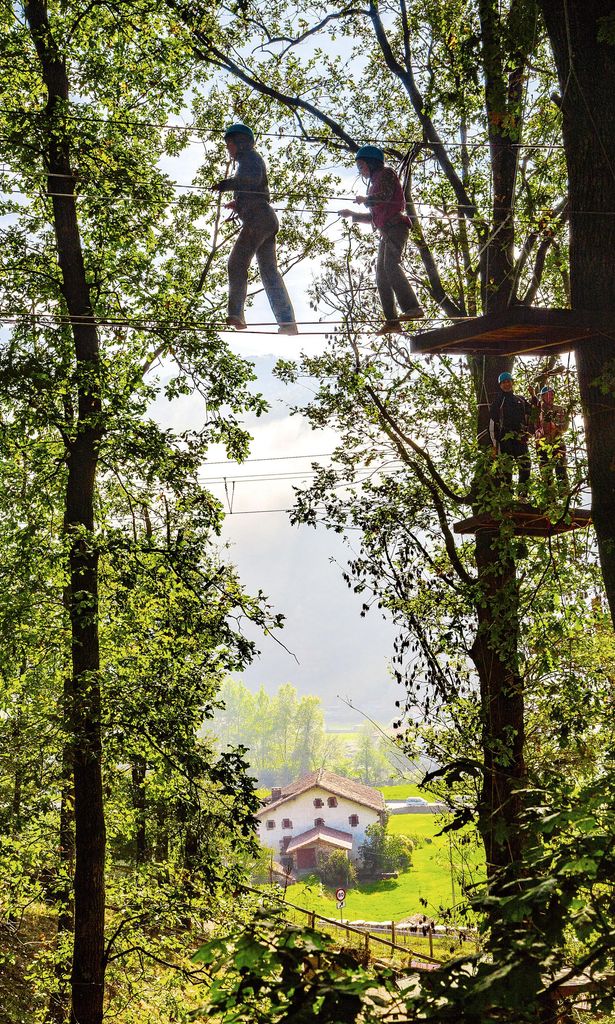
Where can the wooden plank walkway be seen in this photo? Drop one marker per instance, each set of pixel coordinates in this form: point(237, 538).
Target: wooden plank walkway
point(517, 331)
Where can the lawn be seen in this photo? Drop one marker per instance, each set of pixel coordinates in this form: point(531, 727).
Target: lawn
point(402, 792)
point(429, 878)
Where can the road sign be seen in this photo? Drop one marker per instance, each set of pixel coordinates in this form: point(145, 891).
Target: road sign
point(340, 904)
point(340, 894)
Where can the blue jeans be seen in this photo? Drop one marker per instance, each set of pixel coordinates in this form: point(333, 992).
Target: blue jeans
point(257, 238)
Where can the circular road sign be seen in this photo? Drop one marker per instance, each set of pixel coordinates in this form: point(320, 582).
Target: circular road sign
point(340, 894)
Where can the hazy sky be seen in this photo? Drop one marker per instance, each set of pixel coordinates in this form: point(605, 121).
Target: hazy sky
point(339, 654)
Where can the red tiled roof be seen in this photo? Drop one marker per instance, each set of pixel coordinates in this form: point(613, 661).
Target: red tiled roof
point(332, 783)
point(329, 835)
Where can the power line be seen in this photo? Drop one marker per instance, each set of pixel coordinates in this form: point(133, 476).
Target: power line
point(308, 473)
point(258, 512)
point(275, 458)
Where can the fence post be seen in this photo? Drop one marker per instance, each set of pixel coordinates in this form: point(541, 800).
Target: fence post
point(430, 941)
point(312, 920)
point(367, 944)
point(393, 932)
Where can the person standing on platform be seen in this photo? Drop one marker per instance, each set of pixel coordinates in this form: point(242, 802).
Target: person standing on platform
point(259, 226)
point(509, 428)
point(552, 423)
point(386, 203)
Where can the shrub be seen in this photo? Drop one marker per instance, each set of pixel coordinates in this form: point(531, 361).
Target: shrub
point(335, 869)
point(382, 853)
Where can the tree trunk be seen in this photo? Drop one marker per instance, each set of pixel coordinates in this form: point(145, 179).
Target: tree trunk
point(139, 804)
point(87, 980)
point(495, 648)
point(59, 1000)
point(586, 70)
point(502, 707)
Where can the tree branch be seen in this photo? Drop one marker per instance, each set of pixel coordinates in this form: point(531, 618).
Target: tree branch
point(406, 76)
point(401, 439)
point(445, 302)
point(335, 16)
point(541, 255)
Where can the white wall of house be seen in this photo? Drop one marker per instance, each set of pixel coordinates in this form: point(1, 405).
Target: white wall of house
point(302, 813)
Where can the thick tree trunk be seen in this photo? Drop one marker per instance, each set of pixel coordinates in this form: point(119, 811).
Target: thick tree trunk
point(87, 980)
point(494, 651)
point(494, 654)
point(586, 70)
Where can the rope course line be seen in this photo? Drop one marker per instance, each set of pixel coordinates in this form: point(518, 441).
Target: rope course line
point(152, 323)
point(273, 193)
point(536, 220)
point(156, 325)
point(215, 132)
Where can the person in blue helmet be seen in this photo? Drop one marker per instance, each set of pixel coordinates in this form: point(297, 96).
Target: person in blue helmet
point(510, 418)
point(259, 227)
point(386, 204)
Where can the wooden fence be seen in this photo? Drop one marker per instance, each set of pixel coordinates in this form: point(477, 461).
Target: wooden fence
point(366, 937)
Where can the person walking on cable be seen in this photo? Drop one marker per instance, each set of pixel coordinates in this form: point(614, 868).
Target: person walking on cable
point(509, 424)
point(386, 203)
point(550, 445)
point(259, 227)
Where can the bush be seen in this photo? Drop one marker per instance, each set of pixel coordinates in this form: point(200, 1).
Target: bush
point(382, 853)
point(335, 869)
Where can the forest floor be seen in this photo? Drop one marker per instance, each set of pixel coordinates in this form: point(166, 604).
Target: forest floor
point(18, 945)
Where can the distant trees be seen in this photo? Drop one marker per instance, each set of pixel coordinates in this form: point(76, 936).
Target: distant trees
point(286, 737)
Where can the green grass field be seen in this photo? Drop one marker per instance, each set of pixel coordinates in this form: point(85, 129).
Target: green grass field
point(404, 791)
point(429, 878)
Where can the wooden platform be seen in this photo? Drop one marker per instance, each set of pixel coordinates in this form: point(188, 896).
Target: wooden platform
point(528, 522)
point(518, 331)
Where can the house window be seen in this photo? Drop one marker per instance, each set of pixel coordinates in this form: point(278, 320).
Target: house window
point(270, 823)
point(332, 801)
point(287, 823)
point(318, 802)
point(318, 822)
point(353, 820)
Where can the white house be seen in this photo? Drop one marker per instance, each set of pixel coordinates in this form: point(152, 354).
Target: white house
point(321, 811)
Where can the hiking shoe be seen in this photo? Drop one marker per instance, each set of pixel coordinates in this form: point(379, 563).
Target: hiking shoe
point(288, 329)
point(237, 322)
point(417, 313)
point(389, 327)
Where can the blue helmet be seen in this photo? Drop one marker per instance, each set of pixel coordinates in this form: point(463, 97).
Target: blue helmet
point(505, 376)
point(370, 153)
point(547, 388)
point(238, 129)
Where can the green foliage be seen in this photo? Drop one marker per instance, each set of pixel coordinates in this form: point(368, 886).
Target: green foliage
point(382, 852)
point(272, 971)
point(335, 869)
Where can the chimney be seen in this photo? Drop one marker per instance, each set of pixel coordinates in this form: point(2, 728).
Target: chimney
point(275, 795)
